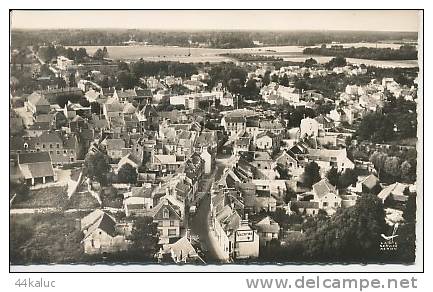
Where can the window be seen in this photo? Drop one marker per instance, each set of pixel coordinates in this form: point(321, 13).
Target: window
point(43, 146)
point(171, 223)
point(58, 145)
point(58, 152)
point(336, 204)
point(172, 232)
point(65, 151)
point(165, 214)
point(51, 145)
point(325, 204)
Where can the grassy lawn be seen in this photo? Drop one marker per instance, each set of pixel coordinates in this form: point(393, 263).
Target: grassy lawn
point(42, 198)
point(45, 238)
point(82, 201)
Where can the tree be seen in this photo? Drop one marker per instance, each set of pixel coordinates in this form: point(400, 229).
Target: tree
point(284, 81)
point(96, 167)
point(127, 174)
point(266, 78)
point(301, 85)
point(351, 234)
point(378, 159)
point(126, 80)
point(95, 107)
point(144, 236)
point(80, 55)
point(99, 54)
point(408, 172)
point(347, 178)
point(376, 127)
point(311, 174)
point(333, 176)
point(105, 52)
point(336, 62)
point(392, 167)
point(310, 63)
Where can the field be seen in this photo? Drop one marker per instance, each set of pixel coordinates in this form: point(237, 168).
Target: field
point(180, 54)
point(51, 197)
point(45, 238)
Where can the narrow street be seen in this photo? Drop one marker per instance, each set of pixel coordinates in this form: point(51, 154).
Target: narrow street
point(199, 222)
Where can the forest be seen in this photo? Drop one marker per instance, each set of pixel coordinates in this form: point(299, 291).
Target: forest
point(212, 39)
point(405, 52)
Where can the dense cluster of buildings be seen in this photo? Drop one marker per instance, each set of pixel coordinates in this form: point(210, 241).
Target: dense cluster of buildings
point(174, 154)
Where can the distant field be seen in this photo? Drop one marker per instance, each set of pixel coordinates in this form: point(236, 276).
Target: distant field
point(180, 54)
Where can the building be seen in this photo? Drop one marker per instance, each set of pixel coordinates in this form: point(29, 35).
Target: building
point(36, 167)
point(327, 196)
point(37, 104)
point(168, 219)
point(328, 158)
point(267, 230)
point(101, 235)
point(64, 63)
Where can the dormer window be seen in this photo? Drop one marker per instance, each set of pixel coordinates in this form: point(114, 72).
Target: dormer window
point(165, 214)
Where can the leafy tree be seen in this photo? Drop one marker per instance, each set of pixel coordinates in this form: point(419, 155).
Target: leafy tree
point(251, 90)
point(351, 234)
point(392, 167)
point(333, 176)
point(99, 54)
point(336, 62)
point(96, 167)
point(409, 213)
point(408, 172)
point(144, 235)
point(127, 174)
point(378, 159)
point(95, 108)
point(126, 80)
point(301, 85)
point(311, 174)
point(310, 63)
point(284, 81)
point(266, 78)
point(376, 127)
point(347, 178)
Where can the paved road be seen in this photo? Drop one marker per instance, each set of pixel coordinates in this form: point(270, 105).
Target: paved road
point(199, 223)
point(200, 226)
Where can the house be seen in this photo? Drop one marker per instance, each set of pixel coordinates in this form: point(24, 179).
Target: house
point(396, 192)
point(125, 95)
point(100, 234)
point(309, 128)
point(255, 204)
point(286, 160)
point(115, 148)
point(180, 252)
point(208, 161)
point(37, 104)
point(168, 220)
point(242, 144)
point(130, 159)
point(276, 188)
point(36, 167)
point(262, 160)
point(327, 196)
point(247, 242)
point(64, 63)
point(305, 207)
point(137, 206)
point(267, 229)
point(266, 141)
point(367, 184)
point(328, 158)
point(164, 163)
